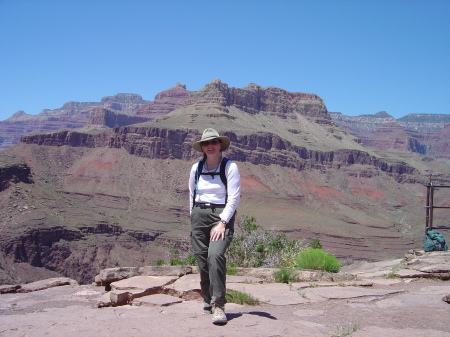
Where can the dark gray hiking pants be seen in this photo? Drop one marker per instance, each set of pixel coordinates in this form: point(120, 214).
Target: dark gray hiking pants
point(210, 255)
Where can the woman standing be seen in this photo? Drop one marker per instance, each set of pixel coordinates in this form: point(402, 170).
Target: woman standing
point(215, 188)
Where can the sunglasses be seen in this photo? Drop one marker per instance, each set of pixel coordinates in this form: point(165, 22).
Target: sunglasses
point(212, 142)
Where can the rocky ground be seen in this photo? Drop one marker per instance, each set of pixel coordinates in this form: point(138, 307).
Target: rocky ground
point(403, 297)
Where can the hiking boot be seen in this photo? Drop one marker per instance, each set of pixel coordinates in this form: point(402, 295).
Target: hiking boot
point(219, 316)
point(207, 309)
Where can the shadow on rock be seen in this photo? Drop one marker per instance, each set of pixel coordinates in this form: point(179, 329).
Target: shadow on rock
point(262, 314)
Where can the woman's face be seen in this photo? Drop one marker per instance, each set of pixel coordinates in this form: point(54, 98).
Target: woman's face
point(211, 146)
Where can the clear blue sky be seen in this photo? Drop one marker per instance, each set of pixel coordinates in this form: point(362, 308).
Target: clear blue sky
point(359, 56)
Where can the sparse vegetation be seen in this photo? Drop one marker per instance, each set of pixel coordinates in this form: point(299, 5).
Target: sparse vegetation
point(346, 330)
point(315, 244)
point(231, 269)
point(253, 247)
point(239, 297)
point(393, 273)
point(317, 259)
point(180, 259)
point(285, 275)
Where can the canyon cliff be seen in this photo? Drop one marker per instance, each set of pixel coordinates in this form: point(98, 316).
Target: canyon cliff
point(76, 202)
point(421, 133)
point(120, 109)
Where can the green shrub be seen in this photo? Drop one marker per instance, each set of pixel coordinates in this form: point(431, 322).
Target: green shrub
point(317, 259)
point(190, 260)
point(231, 269)
point(285, 275)
point(181, 259)
point(174, 252)
point(177, 262)
point(315, 244)
point(160, 263)
point(239, 297)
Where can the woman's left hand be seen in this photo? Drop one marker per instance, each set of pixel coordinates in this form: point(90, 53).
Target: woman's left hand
point(218, 232)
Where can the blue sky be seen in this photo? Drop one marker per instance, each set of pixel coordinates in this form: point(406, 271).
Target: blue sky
point(359, 56)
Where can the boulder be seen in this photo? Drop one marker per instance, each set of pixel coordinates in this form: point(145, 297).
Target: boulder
point(109, 275)
point(446, 298)
point(157, 300)
point(125, 291)
point(7, 288)
point(45, 284)
point(186, 287)
point(270, 293)
point(103, 301)
point(166, 270)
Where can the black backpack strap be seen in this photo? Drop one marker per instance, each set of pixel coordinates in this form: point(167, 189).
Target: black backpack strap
point(223, 176)
point(197, 175)
point(198, 172)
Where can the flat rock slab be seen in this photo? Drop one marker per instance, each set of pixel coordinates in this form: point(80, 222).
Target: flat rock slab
point(267, 273)
point(440, 290)
point(304, 285)
point(349, 292)
point(436, 268)
point(186, 287)
point(143, 283)
point(109, 275)
point(272, 293)
point(410, 273)
point(70, 312)
point(371, 268)
point(45, 284)
point(415, 300)
point(386, 281)
point(375, 331)
point(125, 291)
point(7, 288)
point(244, 279)
point(167, 270)
point(160, 300)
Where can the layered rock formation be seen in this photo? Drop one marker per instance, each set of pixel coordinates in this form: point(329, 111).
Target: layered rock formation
point(122, 110)
point(165, 102)
point(264, 149)
point(394, 136)
point(13, 171)
point(120, 197)
point(254, 99)
point(126, 104)
point(422, 133)
point(102, 116)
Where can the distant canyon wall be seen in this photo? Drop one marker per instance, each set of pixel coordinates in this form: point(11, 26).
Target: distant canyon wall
point(266, 149)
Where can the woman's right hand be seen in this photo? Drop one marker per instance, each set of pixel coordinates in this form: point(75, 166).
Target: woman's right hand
point(218, 232)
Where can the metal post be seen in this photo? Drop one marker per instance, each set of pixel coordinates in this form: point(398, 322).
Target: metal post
point(430, 226)
point(427, 209)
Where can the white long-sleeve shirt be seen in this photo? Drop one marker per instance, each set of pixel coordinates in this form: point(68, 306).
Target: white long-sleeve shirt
point(212, 190)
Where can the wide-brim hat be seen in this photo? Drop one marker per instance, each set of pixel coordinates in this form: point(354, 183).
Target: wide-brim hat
point(209, 134)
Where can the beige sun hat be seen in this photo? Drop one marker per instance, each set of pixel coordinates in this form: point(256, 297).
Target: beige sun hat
point(209, 134)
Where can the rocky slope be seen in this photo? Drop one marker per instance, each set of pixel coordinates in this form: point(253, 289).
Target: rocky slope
point(165, 102)
point(117, 110)
point(119, 197)
point(360, 302)
point(424, 133)
point(121, 109)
